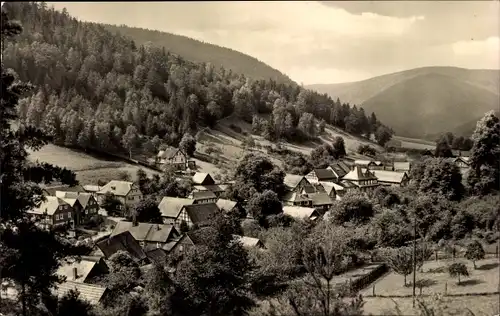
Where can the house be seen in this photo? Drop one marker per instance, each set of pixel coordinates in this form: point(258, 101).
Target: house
point(195, 214)
point(173, 156)
point(187, 241)
point(249, 242)
point(296, 199)
point(150, 236)
point(462, 162)
point(348, 186)
point(53, 212)
point(339, 169)
point(362, 178)
point(125, 242)
point(402, 166)
point(391, 178)
point(84, 205)
point(84, 270)
point(230, 206)
point(321, 175)
point(217, 189)
point(335, 191)
point(299, 212)
point(321, 201)
point(201, 197)
point(369, 164)
point(92, 293)
point(201, 178)
point(377, 165)
point(128, 193)
point(170, 207)
point(92, 189)
point(297, 183)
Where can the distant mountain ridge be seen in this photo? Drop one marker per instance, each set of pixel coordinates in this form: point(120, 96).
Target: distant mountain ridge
point(198, 51)
point(424, 102)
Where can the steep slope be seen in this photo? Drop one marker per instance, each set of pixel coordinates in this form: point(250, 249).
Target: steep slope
point(197, 51)
point(424, 101)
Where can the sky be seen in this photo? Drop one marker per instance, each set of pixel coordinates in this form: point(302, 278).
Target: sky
point(325, 42)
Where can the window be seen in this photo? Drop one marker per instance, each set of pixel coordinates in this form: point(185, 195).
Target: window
point(69, 215)
point(57, 217)
point(86, 212)
point(158, 245)
point(65, 207)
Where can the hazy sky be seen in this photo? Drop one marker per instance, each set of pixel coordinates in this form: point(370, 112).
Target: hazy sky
point(325, 42)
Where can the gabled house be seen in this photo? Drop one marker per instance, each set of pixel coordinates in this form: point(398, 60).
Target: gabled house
point(402, 166)
point(173, 156)
point(335, 191)
point(362, 178)
point(462, 162)
point(339, 169)
point(391, 178)
point(377, 165)
point(51, 190)
point(217, 189)
point(369, 164)
point(321, 201)
point(321, 175)
point(150, 236)
point(128, 193)
point(298, 212)
point(202, 197)
point(230, 206)
point(249, 242)
point(53, 212)
point(201, 178)
point(195, 214)
point(84, 205)
point(92, 189)
point(124, 242)
point(84, 270)
point(297, 183)
point(170, 207)
point(296, 199)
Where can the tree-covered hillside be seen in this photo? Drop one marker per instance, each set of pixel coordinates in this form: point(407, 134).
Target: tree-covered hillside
point(101, 90)
point(197, 51)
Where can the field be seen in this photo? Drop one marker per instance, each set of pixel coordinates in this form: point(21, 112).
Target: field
point(435, 280)
point(415, 143)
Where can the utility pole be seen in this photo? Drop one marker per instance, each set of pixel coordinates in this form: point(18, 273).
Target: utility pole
point(414, 255)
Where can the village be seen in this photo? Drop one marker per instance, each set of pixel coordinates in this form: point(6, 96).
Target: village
point(73, 211)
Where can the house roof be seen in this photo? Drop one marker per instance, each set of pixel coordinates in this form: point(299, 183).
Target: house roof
point(200, 195)
point(226, 205)
point(249, 241)
point(320, 198)
point(291, 181)
point(358, 174)
point(329, 186)
point(402, 166)
point(83, 268)
point(348, 184)
point(84, 199)
point(168, 153)
point(362, 162)
point(199, 213)
point(389, 176)
point(324, 174)
point(48, 206)
point(172, 206)
point(123, 241)
point(201, 177)
point(157, 254)
point(210, 187)
point(92, 188)
point(117, 187)
point(145, 231)
point(51, 190)
point(88, 292)
point(295, 197)
point(300, 212)
point(339, 169)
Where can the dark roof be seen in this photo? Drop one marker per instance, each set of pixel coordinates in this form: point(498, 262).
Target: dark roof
point(123, 241)
point(320, 198)
point(324, 174)
point(198, 236)
point(146, 231)
point(201, 195)
point(339, 169)
point(199, 213)
point(157, 255)
point(201, 178)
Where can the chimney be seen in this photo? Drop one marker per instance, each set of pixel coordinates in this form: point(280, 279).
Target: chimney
point(75, 273)
point(158, 227)
point(134, 218)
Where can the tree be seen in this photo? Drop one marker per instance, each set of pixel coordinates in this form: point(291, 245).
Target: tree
point(484, 174)
point(147, 211)
point(215, 277)
point(124, 273)
point(321, 126)
point(159, 288)
point(130, 139)
point(339, 146)
point(442, 177)
point(383, 134)
point(306, 125)
point(188, 144)
point(110, 203)
point(352, 208)
point(400, 260)
point(71, 304)
point(474, 252)
point(366, 150)
point(261, 205)
point(443, 148)
point(124, 176)
point(458, 269)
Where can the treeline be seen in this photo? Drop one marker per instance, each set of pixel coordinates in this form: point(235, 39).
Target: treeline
point(95, 86)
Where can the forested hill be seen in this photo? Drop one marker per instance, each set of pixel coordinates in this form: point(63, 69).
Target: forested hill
point(197, 51)
point(95, 87)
